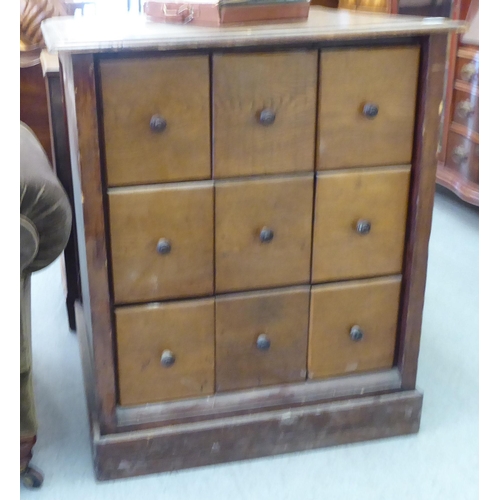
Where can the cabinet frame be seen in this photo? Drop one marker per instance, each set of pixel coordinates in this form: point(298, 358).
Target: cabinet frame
point(351, 408)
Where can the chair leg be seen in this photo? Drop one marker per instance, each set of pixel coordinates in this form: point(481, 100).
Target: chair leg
point(30, 477)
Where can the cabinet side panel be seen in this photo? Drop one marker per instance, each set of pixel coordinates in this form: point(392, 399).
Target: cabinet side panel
point(80, 98)
point(431, 93)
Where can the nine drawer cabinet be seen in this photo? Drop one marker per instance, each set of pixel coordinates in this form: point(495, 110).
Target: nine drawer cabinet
point(253, 228)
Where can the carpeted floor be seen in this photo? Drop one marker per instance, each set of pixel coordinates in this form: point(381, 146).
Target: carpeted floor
point(439, 463)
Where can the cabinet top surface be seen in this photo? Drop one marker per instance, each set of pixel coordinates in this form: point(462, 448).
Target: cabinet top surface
point(134, 32)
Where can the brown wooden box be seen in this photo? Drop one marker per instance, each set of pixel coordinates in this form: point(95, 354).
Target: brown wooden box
point(270, 303)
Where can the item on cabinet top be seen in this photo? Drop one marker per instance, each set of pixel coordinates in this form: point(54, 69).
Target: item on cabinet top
point(216, 12)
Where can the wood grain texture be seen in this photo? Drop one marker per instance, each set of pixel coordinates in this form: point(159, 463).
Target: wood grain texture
point(83, 133)
point(280, 315)
point(33, 105)
point(183, 214)
point(372, 305)
point(342, 199)
point(421, 200)
point(323, 25)
point(246, 84)
point(462, 156)
point(245, 402)
point(176, 88)
point(351, 78)
point(242, 209)
point(258, 435)
point(143, 332)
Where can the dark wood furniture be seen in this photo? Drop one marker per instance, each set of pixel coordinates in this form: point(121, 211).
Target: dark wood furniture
point(252, 236)
point(458, 169)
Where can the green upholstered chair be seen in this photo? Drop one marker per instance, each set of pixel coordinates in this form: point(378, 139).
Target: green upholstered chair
point(45, 228)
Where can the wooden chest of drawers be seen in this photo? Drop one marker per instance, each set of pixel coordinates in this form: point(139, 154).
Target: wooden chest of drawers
point(253, 228)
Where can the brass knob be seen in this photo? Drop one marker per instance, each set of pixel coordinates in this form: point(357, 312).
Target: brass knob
point(266, 235)
point(468, 71)
point(266, 117)
point(363, 226)
point(464, 109)
point(356, 333)
point(460, 154)
point(167, 358)
point(370, 110)
point(163, 246)
point(263, 342)
point(157, 123)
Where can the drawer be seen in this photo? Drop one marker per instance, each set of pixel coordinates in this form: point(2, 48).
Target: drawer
point(353, 326)
point(462, 155)
point(263, 232)
point(264, 113)
point(165, 351)
point(162, 241)
point(468, 67)
point(367, 107)
point(466, 109)
point(360, 223)
point(261, 338)
point(156, 117)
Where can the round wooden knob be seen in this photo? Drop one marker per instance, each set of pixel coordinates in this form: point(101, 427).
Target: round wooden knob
point(167, 358)
point(163, 247)
point(263, 342)
point(266, 235)
point(356, 333)
point(363, 226)
point(157, 123)
point(370, 110)
point(267, 116)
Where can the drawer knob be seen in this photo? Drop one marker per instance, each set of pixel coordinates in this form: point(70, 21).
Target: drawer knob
point(167, 358)
point(356, 333)
point(370, 110)
point(465, 109)
point(263, 342)
point(266, 235)
point(157, 123)
point(163, 247)
point(468, 71)
point(266, 117)
point(363, 226)
point(459, 154)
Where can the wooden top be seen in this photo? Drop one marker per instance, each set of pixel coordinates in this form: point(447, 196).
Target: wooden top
point(135, 32)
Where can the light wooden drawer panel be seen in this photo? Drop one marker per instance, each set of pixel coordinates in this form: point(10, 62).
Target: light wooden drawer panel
point(353, 326)
point(162, 241)
point(264, 112)
point(263, 232)
point(360, 223)
point(261, 338)
point(165, 351)
point(156, 115)
point(355, 85)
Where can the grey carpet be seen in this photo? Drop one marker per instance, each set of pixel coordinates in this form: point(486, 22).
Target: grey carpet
point(440, 463)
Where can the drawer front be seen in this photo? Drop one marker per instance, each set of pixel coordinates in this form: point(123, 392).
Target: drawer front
point(261, 338)
point(468, 69)
point(156, 115)
point(263, 233)
point(264, 113)
point(360, 223)
point(367, 107)
point(462, 155)
point(466, 109)
point(162, 242)
point(353, 326)
point(165, 351)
